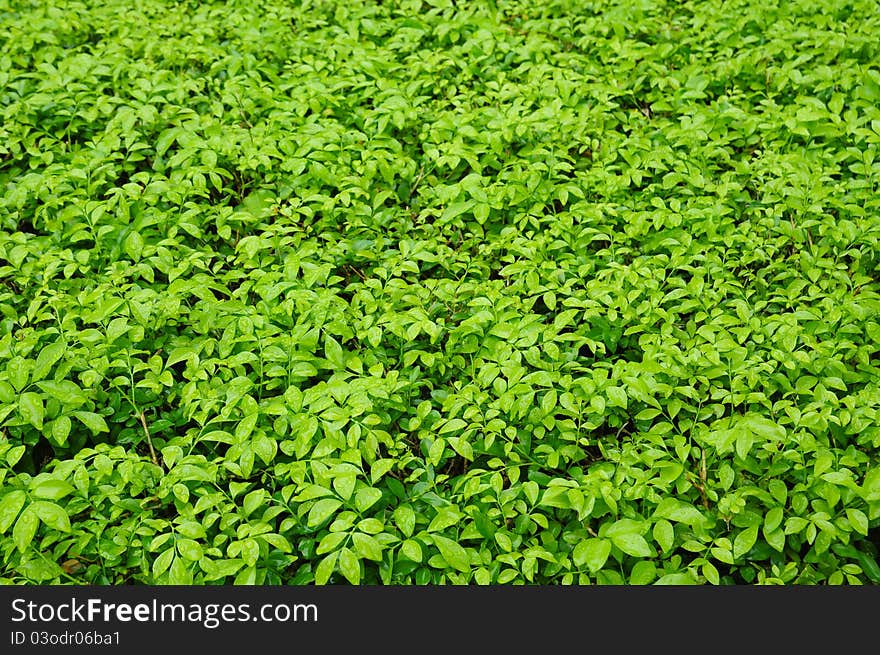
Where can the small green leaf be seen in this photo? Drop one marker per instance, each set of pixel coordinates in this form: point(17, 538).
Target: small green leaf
point(776, 538)
point(411, 550)
point(446, 517)
point(344, 485)
point(15, 454)
point(679, 511)
point(773, 519)
point(858, 520)
point(778, 490)
point(405, 518)
point(744, 541)
point(366, 497)
point(633, 544)
point(335, 355)
point(325, 568)
point(18, 369)
point(453, 425)
point(330, 542)
point(322, 510)
point(52, 515)
point(617, 396)
point(30, 405)
point(452, 552)
point(349, 565)
point(711, 573)
point(10, 506)
point(61, 430)
point(53, 489)
point(134, 245)
point(25, 528)
point(664, 534)
point(189, 549)
point(643, 572)
point(253, 500)
point(277, 541)
point(367, 546)
point(47, 358)
point(179, 574)
point(94, 422)
point(265, 447)
point(379, 468)
point(592, 553)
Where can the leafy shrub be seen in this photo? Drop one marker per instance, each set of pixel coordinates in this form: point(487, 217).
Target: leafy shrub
point(410, 292)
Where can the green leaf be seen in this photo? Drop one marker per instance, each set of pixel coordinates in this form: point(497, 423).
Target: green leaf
point(325, 568)
point(18, 370)
point(643, 572)
point(52, 515)
point(53, 489)
point(253, 500)
point(871, 485)
point(162, 562)
point(764, 427)
point(265, 448)
point(134, 245)
point(453, 425)
point(679, 511)
point(247, 576)
point(379, 468)
point(773, 519)
point(858, 521)
point(94, 422)
point(179, 574)
point(367, 546)
point(25, 528)
point(405, 518)
point(711, 573)
point(452, 552)
point(349, 565)
point(366, 497)
point(245, 427)
point(40, 570)
point(277, 541)
point(548, 402)
point(592, 553)
point(189, 549)
point(776, 538)
point(10, 506)
point(66, 392)
point(30, 405)
point(344, 485)
point(446, 517)
point(335, 355)
point(411, 550)
point(15, 454)
point(330, 542)
point(47, 358)
point(633, 544)
point(664, 535)
point(323, 510)
point(744, 541)
point(778, 490)
point(61, 430)
point(617, 396)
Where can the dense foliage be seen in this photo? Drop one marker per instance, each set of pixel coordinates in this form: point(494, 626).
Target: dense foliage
point(431, 292)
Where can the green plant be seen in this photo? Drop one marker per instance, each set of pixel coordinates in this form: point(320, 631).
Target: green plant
point(413, 292)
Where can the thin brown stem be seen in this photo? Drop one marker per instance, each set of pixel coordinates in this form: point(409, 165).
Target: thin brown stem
point(149, 438)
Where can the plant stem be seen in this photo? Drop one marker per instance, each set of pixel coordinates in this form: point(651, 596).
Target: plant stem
point(149, 438)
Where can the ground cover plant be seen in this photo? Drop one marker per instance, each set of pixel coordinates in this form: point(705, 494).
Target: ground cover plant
point(430, 292)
